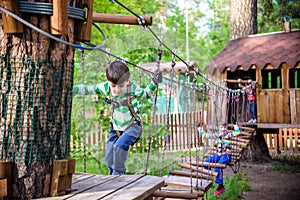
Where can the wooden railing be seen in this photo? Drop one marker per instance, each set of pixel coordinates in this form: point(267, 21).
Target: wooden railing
point(286, 141)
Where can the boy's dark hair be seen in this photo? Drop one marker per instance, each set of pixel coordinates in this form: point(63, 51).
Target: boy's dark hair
point(117, 72)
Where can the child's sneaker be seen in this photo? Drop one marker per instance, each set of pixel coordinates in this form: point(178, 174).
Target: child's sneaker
point(219, 191)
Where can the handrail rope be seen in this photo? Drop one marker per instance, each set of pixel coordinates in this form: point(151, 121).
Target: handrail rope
point(53, 37)
point(196, 135)
point(169, 97)
point(153, 113)
point(189, 138)
point(196, 70)
point(83, 113)
point(139, 67)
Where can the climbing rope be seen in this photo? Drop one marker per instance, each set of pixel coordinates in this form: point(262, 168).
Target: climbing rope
point(83, 114)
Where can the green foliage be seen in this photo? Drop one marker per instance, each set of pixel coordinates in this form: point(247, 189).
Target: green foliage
point(272, 14)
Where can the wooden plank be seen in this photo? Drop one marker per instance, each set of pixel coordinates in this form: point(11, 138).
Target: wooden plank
point(206, 164)
point(188, 182)
point(296, 139)
point(193, 174)
point(280, 139)
point(80, 177)
point(270, 141)
point(140, 189)
point(291, 138)
point(84, 185)
point(285, 139)
point(59, 18)
point(275, 135)
point(200, 170)
point(3, 188)
point(85, 28)
point(10, 24)
point(297, 107)
point(176, 131)
point(293, 106)
point(263, 106)
point(60, 168)
point(102, 190)
point(175, 193)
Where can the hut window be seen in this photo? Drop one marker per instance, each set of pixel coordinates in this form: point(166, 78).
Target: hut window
point(271, 79)
point(294, 78)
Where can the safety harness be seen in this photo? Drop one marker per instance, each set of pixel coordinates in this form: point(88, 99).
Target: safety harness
point(126, 102)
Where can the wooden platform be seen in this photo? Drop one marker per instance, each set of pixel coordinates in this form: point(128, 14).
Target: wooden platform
point(91, 186)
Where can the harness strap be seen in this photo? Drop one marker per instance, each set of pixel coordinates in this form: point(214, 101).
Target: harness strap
point(131, 109)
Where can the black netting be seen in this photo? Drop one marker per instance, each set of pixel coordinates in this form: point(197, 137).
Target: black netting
point(35, 109)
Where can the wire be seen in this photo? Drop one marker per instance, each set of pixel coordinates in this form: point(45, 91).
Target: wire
point(53, 37)
point(196, 70)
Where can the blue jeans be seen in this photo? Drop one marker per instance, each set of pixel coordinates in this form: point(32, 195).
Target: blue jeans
point(251, 109)
point(219, 159)
point(117, 147)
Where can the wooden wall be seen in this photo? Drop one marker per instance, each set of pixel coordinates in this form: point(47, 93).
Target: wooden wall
point(295, 105)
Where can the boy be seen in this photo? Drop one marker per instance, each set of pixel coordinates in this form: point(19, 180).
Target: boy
point(223, 155)
point(125, 127)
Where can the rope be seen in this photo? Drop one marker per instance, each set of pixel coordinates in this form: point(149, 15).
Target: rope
point(83, 113)
point(153, 111)
point(196, 70)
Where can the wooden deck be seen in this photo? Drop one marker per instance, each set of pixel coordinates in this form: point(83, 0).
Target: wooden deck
point(91, 186)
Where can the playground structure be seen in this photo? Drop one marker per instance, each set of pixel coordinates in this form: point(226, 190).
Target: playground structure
point(174, 124)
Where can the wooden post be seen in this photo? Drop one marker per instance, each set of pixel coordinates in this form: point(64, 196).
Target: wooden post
point(10, 24)
point(62, 176)
point(120, 19)
point(59, 19)
point(71, 171)
point(5, 180)
point(58, 183)
point(85, 28)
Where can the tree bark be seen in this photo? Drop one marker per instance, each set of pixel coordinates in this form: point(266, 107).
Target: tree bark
point(35, 98)
point(243, 22)
point(243, 18)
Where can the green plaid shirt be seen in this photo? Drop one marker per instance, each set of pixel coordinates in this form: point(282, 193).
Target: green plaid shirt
point(121, 116)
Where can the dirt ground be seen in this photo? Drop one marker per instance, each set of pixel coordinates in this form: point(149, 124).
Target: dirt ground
point(267, 184)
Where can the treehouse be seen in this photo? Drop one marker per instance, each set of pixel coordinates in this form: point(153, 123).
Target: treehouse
point(272, 61)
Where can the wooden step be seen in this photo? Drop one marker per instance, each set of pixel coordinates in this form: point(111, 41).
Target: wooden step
point(193, 174)
point(197, 169)
point(176, 192)
point(187, 182)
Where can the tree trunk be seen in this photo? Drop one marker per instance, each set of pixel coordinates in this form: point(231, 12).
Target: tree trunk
point(243, 22)
point(36, 95)
point(243, 18)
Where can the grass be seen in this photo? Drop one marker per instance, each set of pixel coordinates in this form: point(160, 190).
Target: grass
point(235, 187)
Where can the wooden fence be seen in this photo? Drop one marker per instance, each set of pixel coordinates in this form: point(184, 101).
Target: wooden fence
point(183, 132)
point(287, 141)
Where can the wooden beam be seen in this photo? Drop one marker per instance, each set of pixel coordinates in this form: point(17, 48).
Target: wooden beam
point(85, 28)
point(10, 24)
point(120, 19)
point(5, 180)
point(200, 170)
point(59, 19)
point(182, 195)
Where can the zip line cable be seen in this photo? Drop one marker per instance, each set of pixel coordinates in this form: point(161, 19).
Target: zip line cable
point(46, 8)
point(140, 19)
